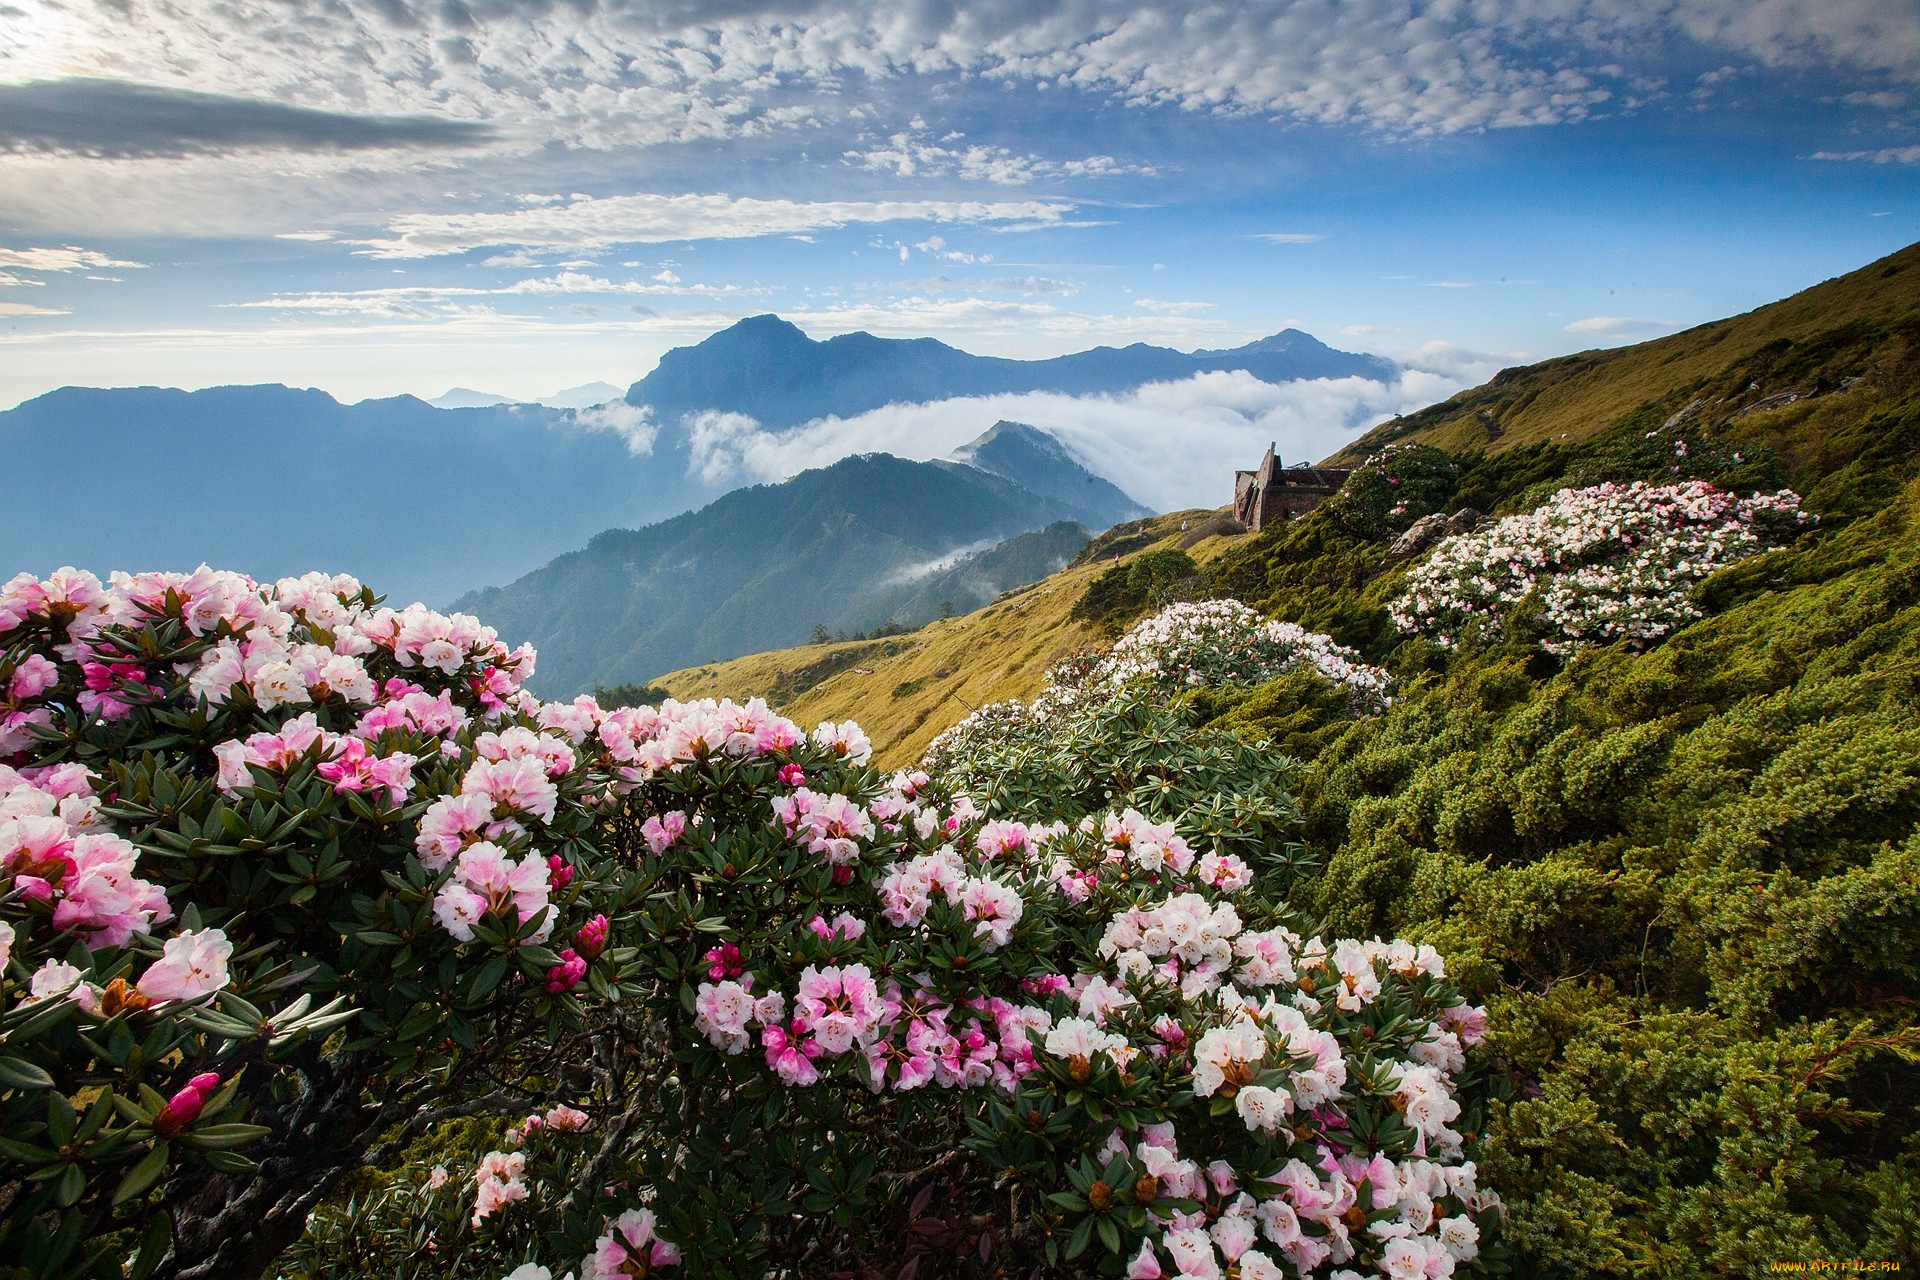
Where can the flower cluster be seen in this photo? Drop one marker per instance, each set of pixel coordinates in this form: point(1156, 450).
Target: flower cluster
point(1223, 642)
point(1181, 993)
point(830, 826)
point(57, 853)
point(1209, 643)
point(1610, 562)
point(645, 741)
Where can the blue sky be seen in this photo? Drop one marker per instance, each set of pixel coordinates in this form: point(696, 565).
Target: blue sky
point(519, 197)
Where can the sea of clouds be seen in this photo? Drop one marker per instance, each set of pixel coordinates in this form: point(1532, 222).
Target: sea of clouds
point(1170, 445)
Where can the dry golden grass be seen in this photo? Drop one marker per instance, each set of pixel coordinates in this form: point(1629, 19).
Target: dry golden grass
point(906, 689)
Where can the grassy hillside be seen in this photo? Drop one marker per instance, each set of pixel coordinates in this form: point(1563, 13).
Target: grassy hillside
point(905, 689)
point(1730, 364)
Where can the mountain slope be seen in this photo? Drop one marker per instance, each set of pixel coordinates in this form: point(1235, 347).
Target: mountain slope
point(1035, 460)
point(979, 578)
point(1734, 364)
point(766, 368)
point(905, 689)
point(420, 502)
point(759, 566)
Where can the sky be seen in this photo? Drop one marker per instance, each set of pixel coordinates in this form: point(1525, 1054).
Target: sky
point(519, 197)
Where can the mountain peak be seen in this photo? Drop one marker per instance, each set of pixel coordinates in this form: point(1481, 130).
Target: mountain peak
point(1008, 433)
point(1036, 460)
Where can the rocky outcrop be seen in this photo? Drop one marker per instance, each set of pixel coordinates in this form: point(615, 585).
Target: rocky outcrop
point(1427, 530)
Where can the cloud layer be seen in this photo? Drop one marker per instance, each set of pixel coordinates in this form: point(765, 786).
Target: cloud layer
point(584, 224)
point(625, 72)
point(1170, 445)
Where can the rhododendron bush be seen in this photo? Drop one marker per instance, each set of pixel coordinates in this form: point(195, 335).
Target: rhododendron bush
point(1610, 562)
point(1112, 698)
point(296, 883)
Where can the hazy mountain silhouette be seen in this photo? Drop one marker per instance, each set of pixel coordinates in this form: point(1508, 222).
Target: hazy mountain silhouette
point(766, 368)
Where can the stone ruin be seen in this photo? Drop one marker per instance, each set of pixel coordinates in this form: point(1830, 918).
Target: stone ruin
point(1273, 491)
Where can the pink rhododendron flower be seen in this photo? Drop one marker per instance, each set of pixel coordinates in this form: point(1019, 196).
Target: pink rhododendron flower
point(662, 830)
point(192, 966)
point(521, 785)
point(356, 769)
point(32, 677)
point(838, 1005)
point(1145, 1265)
point(997, 839)
point(449, 825)
point(790, 1052)
point(629, 1241)
point(58, 978)
point(846, 926)
point(486, 879)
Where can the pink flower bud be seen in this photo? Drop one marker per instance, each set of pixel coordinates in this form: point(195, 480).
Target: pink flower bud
point(842, 875)
point(566, 975)
point(559, 874)
point(591, 937)
point(792, 776)
point(184, 1107)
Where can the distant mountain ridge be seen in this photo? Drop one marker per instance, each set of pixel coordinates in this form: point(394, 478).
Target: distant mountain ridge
point(420, 502)
point(849, 545)
point(769, 370)
point(584, 396)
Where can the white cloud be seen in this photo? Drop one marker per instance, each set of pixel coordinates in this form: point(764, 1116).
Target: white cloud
point(1619, 325)
point(315, 236)
point(666, 283)
point(906, 156)
point(1027, 285)
point(589, 223)
point(1885, 155)
point(427, 302)
point(632, 423)
point(1170, 445)
point(70, 258)
point(1160, 306)
point(1023, 329)
point(25, 309)
point(1287, 237)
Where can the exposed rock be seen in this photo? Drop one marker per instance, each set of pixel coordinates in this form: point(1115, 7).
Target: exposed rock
point(1427, 530)
point(1778, 400)
point(1686, 415)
